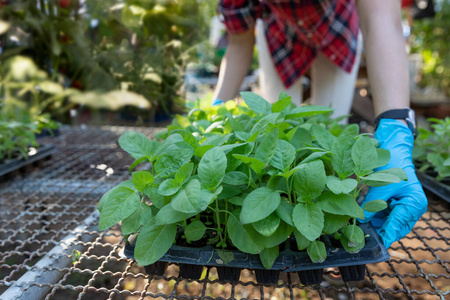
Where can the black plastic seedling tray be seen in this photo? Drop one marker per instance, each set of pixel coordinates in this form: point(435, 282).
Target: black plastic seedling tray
point(352, 266)
point(42, 153)
point(48, 133)
point(438, 188)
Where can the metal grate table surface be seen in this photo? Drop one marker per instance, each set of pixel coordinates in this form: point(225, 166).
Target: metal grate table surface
point(50, 247)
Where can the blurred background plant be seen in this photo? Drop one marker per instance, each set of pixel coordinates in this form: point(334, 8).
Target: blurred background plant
point(26, 92)
point(432, 148)
point(430, 38)
point(137, 47)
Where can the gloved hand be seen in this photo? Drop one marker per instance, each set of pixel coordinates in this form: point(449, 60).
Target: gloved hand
point(217, 101)
point(406, 200)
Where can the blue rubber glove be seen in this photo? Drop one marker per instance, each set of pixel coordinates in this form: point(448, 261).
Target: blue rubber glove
point(406, 200)
point(217, 101)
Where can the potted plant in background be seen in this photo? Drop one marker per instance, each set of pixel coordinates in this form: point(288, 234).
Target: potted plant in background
point(25, 93)
point(133, 47)
point(248, 178)
point(432, 157)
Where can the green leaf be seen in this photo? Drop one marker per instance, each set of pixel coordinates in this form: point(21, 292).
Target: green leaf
point(200, 151)
point(383, 157)
point(187, 200)
point(268, 256)
point(170, 143)
point(168, 215)
point(168, 163)
point(207, 197)
point(129, 184)
point(283, 231)
point(187, 137)
point(183, 173)
point(268, 225)
point(268, 146)
point(195, 231)
point(342, 204)
point(211, 168)
point(216, 140)
point(281, 104)
point(342, 161)
point(351, 249)
point(255, 163)
point(317, 252)
point(242, 135)
point(374, 206)
point(183, 121)
point(354, 234)
point(141, 216)
point(137, 162)
point(447, 162)
point(301, 240)
point(261, 125)
point(334, 222)
point(236, 201)
point(310, 180)
point(380, 179)
point(169, 187)
point(398, 172)
point(120, 204)
point(322, 136)
point(235, 125)
point(364, 155)
point(307, 111)
point(141, 179)
point(338, 186)
point(284, 211)
point(156, 198)
point(153, 242)
point(227, 148)
point(235, 178)
point(298, 137)
point(256, 102)
point(284, 156)
point(259, 204)
point(225, 255)
point(308, 219)
point(245, 238)
point(313, 156)
point(292, 171)
point(137, 144)
point(282, 95)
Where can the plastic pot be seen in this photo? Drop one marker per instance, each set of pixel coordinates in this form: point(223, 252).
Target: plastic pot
point(189, 271)
point(266, 277)
point(352, 273)
point(311, 277)
point(228, 274)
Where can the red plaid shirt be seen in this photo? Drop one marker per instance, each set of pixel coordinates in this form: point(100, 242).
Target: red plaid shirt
point(297, 29)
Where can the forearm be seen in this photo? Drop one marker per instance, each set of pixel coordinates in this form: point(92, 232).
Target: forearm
point(386, 56)
point(235, 64)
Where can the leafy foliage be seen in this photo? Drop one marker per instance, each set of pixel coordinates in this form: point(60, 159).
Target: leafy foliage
point(430, 37)
point(262, 172)
point(140, 47)
point(25, 92)
point(432, 148)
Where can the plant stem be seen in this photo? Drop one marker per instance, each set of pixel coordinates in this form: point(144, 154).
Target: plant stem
point(226, 221)
point(289, 190)
point(218, 222)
